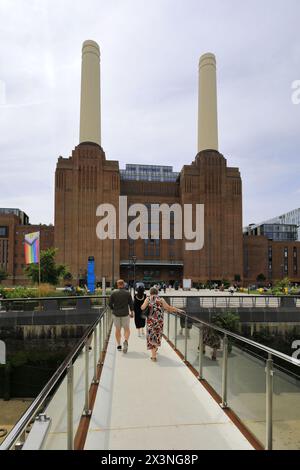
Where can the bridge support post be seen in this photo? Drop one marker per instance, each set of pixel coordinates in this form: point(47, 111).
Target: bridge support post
point(224, 372)
point(200, 353)
point(269, 403)
point(70, 430)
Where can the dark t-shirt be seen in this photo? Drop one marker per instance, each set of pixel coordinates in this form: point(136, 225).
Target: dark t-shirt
point(119, 302)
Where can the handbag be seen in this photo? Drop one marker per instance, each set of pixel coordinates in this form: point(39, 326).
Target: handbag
point(146, 312)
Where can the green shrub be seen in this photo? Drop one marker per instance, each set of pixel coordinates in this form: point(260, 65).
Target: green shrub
point(229, 321)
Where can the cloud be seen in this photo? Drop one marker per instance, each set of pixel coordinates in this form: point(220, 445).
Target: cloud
point(149, 67)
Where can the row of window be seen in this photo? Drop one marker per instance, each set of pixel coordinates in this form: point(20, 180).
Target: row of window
point(151, 248)
point(285, 265)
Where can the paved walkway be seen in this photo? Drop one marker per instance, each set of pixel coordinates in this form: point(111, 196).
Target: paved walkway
point(146, 405)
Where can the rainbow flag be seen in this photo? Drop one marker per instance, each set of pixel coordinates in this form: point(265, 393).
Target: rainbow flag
point(32, 247)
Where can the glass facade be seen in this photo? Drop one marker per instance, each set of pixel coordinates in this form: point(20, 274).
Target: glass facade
point(149, 173)
point(276, 232)
point(290, 218)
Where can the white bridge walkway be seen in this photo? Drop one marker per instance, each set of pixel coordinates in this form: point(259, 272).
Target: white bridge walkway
point(145, 405)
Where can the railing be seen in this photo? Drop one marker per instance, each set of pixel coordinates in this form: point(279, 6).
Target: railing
point(244, 373)
point(235, 301)
point(94, 302)
point(68, 302)
point(96, 335)
point(245, 381)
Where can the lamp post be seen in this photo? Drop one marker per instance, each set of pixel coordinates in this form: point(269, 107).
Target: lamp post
point(113, 265)
point(133, 261)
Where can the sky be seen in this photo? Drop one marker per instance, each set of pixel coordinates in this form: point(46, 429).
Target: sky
point(149, 86)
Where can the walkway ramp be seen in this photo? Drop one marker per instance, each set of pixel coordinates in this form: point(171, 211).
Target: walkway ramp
point(162, 405)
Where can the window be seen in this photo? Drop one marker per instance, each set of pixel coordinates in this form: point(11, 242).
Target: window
point(286, 266)
point(270, 253)
point(151, 248)
point(295, 260)
point(131, 247)
point(3, 232)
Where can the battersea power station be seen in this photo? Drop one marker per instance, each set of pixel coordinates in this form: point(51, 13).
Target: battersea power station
point(88, 179)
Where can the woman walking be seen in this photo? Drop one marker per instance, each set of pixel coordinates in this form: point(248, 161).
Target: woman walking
point(155, 320)
point(139, 317)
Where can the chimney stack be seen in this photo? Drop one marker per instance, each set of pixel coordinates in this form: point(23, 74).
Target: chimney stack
point(207, 111)
point(90, 111)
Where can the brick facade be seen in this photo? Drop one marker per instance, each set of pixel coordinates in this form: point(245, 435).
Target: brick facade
point(274, 259)
point(87, 179)
point(12, 258)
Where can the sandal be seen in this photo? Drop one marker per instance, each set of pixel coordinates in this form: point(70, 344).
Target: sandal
point(153, 359)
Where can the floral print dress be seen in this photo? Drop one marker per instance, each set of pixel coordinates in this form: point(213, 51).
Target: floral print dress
point(155, 323)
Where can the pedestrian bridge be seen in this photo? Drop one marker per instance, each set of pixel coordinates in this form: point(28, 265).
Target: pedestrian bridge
point(209, 389)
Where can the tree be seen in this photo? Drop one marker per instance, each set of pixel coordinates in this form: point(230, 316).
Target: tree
point(3, 275)
point(282, 286)
point(50, 271)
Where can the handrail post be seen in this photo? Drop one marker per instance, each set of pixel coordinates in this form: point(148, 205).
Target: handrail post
point(185, 338)
point(269, 403)
point(224, 372)
point(200, 353)
point(175, 336)
point(103, 331)
point(100, 341)
point(95, 381)
point(87, 411)
point(70, 386)
point(106, 325)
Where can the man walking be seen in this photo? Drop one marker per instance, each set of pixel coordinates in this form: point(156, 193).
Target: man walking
point(120, 302)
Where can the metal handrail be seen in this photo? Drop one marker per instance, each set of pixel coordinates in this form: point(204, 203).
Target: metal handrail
point(65, 297)
point(29, 414)
point(268, 360)
point(236, 295)
point(261, 347)
point(62, 371)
